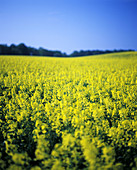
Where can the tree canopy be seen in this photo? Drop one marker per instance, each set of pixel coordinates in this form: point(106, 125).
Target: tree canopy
point(22, 49)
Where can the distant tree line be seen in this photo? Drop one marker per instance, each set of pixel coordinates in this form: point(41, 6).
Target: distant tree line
point(22, 49)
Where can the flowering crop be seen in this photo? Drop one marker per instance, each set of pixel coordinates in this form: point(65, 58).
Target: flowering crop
point(68, 113)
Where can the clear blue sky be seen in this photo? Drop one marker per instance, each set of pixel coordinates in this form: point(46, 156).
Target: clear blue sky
point(69, 25)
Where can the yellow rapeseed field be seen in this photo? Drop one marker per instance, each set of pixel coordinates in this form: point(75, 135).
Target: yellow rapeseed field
point(68, 113)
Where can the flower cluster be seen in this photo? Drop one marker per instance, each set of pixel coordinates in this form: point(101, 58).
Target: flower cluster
point(68, 113)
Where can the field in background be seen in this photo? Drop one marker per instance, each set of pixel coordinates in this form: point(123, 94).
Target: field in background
point(68, 113)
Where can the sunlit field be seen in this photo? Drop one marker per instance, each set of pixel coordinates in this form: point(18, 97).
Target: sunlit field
point(68, 113)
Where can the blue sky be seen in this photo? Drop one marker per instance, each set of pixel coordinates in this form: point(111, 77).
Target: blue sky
point(69, 25)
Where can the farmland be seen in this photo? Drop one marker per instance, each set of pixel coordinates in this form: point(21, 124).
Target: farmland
point(68, 113)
